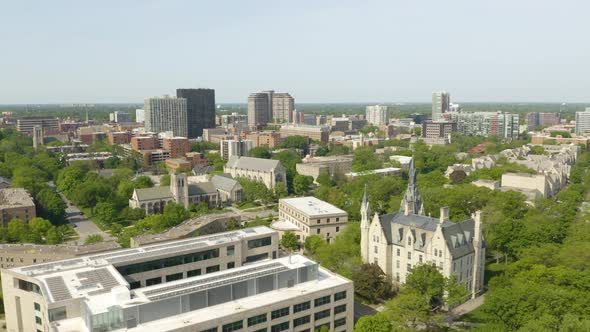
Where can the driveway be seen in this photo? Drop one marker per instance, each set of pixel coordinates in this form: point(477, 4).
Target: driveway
point(82, 225)
point(361, 310)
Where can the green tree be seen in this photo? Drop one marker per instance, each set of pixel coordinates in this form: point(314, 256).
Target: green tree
point(93, 238)
point(296, 142)
point(301, 184)
point(105, 213)
point(289, 241)
point(51, 206)
point(165, 180)
point(374, 323)
point(313, 243)
point(280, 190)
point(365, 159)
point(410, 309)
point(260, 152)
point(371, 284)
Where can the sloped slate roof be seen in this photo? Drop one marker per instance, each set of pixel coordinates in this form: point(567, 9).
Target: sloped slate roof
point(454, 233)
point(225, 183)
point(148, 194)
point(256, 164)
point(201, 188)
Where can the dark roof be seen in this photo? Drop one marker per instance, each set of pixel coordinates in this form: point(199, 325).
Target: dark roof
point(458, 236)
point(225, 183)
point(201, 188)
point(148, 194)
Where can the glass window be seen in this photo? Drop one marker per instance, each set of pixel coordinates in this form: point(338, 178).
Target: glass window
point(340, 322)
point(301, 306)
point(233, 326)
point(57, 314)
point(279, 313)
point(37, 306)
point(301, 320)
point(153, 281)
point(257, 243)
point(255, 258)
point(175, 276)
point(262, 330)
point(193, 273)
point(340, 296)
point(230, 250)
point(399, 252)
point(211, 269)
point(213, 329)
point(321, 314)
point(409, 255)
point(280, 327)
point(135, 284)
point(231, 265)
point(256, 319)
point(168, 262)
point(38, 320)
point(339, 309)
point(321, 301)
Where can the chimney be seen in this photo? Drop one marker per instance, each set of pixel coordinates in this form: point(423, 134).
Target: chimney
point(444, 214)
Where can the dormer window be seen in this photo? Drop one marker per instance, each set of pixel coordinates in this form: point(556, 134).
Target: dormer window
point(409, 241)
point(435, 252)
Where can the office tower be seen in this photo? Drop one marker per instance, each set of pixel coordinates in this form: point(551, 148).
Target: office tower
point(166, 114)
point(441, 101)
point(200, 109)
point(260, 108)
point(583, 122)
point(437, 132)
point(231, 147)
point(119, 117)
point(283, 106)
point(139, 116)
point(534, 120)
point(376, 115)
point(48, 125)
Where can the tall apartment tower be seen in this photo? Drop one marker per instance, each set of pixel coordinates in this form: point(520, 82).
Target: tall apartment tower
point(583, 122)
point(166, 114)
point(376, 115)
point(200, 109)
point(260, 108)
point(283, 106)
point(441, 101)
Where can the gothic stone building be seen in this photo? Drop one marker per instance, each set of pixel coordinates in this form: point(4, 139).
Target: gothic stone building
point(399, 241)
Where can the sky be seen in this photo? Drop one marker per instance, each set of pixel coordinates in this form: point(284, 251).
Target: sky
point(319, 51)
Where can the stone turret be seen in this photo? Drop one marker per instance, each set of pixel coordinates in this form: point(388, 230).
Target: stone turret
point(412, 201)
point(365, 225)
point(179, 188)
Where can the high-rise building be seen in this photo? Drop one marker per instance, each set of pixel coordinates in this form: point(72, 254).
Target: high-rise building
point(200, 109)
point(534, 120)
point(166, 114)
point(239, 147)
point(438, 132)
point(283, 106)
point(441, 101)
point(487, 124)
point(583, 122)
point(118, 117)
point(376, 115)
point(260, 108)
point(139, 116)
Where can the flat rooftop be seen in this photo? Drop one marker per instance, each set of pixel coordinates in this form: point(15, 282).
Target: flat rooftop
point(166, 315)
point(312, 206)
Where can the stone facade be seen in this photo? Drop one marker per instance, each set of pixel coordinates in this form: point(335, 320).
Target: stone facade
point(267, 171)
point(16, 203)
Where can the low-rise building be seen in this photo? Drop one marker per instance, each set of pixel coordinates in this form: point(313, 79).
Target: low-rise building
point(388, 171)
point(16, 203)
point(438, 132)
point(178, 146)
point(308, 216)
point(404, 161)
point(176, 165)
point(119, 137)
point(267, 171)
point(318, 133)
point(221, 282)
point(315, 166)
point(230, 191)
point(268, 139)
point(148, 142)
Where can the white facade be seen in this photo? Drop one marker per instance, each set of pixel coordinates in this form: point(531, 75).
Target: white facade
point(166, 114)
point(441, 101)
point(238, 148)
point(139, 116)
point(398, 242)
point(583, 122)
point(310, 216)
point(376, 115)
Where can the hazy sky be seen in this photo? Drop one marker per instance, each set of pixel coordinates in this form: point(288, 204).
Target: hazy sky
point(319, 51)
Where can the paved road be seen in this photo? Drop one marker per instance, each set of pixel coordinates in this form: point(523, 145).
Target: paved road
point(82, 225)
point(361, 310)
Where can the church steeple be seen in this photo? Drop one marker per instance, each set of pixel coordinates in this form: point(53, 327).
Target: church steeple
point(412, 202)
point(365, 210)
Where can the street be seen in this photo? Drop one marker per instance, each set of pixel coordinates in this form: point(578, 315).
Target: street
point(361, 310)
point(82, 225)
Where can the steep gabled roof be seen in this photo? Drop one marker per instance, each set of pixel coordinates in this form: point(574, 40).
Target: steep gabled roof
point(225, 183)
point(254, 164)
point(150, 194)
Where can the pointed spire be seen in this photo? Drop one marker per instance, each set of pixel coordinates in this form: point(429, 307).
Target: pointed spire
point(412, 202)
point(365, 210)
point(365, 196)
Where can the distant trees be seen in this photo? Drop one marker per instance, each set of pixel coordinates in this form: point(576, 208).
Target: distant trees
point(260, 152)
point(365, 159)
point(296, 142)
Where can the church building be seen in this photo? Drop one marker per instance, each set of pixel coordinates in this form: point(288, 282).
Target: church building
point(399, 241)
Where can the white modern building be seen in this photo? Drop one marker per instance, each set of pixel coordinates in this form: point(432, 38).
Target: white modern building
point(204, 284)
point(376, 115)
point(235, 147)
point(583, 122)
point(166, 114)
point(139, 115)
point(306, 216)
point(398, 242)
point(441, 101)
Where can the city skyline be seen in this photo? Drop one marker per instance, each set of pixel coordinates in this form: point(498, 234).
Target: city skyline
point(329, 57)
